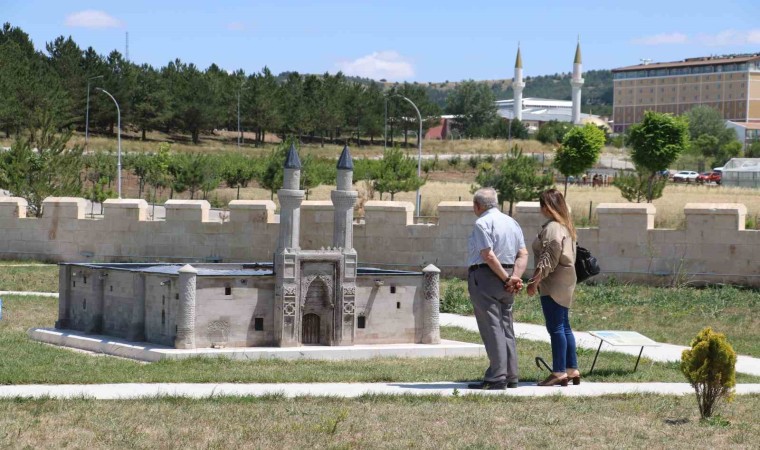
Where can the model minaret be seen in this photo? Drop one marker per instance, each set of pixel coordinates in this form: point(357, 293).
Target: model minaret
point(287, 323)
point(577, 82)
point(517, 86)
point(290, 198)
point(344, 199)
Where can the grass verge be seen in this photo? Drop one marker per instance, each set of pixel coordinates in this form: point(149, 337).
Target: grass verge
point(470, 421)
point(23, 361)
point(21, 276)
point(667, 315)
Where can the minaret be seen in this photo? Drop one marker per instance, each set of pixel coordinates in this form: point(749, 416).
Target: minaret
point(287, 324)
point(290, 198)
point(344, 199)
point(577, 82)
point(517, 86)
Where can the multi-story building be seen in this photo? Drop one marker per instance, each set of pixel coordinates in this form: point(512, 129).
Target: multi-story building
point(730, 84)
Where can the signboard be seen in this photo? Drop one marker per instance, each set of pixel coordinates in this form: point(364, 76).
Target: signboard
point(623, 338)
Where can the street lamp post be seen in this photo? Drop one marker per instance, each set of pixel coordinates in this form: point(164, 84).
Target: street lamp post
point(87, 112)
point(419, 147)
point(118, 153)
point(239, 133)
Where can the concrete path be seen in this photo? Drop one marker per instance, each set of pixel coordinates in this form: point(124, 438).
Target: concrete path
point(144, 390)
point(662, 353)
point(35, 294)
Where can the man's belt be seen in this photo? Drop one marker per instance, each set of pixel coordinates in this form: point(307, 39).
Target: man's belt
point(479, 266)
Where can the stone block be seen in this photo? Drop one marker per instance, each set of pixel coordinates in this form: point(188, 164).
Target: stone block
point(388, 213)
point(63, 208)
point(260, 211)
point(187, 210)
point(627, 221)
point(13, 207)
point(715, 216)
point(122, 212)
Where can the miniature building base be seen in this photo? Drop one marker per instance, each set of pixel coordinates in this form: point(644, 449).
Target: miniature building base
point(143, 351)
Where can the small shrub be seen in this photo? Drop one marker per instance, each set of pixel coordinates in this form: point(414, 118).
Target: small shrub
point(455, 298)
point(473, 161)
point(710, 367)
point(455, 160)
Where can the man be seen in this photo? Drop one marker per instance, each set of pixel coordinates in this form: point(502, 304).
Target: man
point(496, 247)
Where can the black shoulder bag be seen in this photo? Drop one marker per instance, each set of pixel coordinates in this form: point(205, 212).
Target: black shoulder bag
point(586, 265)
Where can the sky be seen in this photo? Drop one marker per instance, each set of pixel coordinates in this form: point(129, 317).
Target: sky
point(412, 40)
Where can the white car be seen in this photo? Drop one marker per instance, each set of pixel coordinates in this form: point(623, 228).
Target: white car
point(685, 176)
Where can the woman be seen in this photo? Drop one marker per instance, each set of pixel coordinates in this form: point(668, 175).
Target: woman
point(554, 278)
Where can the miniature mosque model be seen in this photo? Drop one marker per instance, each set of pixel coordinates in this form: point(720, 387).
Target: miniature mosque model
point(303, 297)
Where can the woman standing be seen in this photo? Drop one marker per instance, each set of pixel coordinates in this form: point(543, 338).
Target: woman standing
point(554, 278)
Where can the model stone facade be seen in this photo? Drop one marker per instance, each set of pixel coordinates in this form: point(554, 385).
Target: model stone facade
point(306, 297)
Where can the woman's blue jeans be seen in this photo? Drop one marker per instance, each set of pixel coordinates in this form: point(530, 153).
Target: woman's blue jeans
point(563, 341)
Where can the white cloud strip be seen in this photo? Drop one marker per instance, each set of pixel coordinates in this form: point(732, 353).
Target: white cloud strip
point(236, 26)
point(721, 39)
point(91, 19)
point(660, 39)
point(730, 37)
point(377, 65)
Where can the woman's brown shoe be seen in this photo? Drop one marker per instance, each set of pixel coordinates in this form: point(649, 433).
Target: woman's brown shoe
point(576, 380)
point(554, 380)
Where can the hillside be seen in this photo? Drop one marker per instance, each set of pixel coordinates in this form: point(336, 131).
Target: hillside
point(597, 91)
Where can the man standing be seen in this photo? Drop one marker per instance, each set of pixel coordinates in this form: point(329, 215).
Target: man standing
point(496, 247)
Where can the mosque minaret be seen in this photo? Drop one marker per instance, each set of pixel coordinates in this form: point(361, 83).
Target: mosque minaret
point(517, 86)
point(576, 82)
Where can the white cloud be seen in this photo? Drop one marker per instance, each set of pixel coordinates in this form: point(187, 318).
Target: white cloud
point(91, 19)
point(236, 26)
point(730, 37)
point(663, 38)
point(386, 64)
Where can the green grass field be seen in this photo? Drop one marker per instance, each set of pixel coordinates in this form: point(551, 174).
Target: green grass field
point(667, 315)
point(23, 361)
point(471, 422)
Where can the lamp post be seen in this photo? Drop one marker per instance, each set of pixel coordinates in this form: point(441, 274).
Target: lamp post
point(87, 112)
point(419, 147)
point(239, 133)
point(118, 153)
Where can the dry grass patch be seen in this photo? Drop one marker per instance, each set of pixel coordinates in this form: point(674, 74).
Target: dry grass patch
point(471, 421)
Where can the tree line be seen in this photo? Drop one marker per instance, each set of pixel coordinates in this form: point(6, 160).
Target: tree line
point(51, 86)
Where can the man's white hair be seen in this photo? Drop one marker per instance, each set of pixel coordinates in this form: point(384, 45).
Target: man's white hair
point(486, 198)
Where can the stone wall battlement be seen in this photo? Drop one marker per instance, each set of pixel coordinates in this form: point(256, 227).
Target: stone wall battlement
point(713, 247)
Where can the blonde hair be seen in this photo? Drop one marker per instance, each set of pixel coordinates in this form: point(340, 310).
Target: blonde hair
point(553, 202)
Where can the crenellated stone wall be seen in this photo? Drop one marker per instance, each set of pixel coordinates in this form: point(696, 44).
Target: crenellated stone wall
point(713, 247)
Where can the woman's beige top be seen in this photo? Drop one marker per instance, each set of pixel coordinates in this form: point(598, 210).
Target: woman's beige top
point(554, 254)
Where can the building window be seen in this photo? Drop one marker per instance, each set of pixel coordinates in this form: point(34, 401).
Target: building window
point(84, 279)
point(393, 289)
point(227, 290)
point(73, 284)
point(163, 317)
point(361, 322)
point(176, 296)
point(398, 305)
point(110, 288)
point(84, 304)
point(258, 324)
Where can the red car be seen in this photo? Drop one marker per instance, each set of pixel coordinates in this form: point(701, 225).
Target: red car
point(709, 177)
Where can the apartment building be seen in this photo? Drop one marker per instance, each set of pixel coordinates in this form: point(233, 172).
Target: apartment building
point(730, 84)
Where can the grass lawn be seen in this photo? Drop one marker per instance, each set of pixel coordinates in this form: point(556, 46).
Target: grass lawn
point(23, 361)
point(667, 315)
point(470, 421)
point(28, 277)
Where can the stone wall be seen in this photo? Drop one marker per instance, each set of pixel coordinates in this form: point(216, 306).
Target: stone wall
point(713, 247)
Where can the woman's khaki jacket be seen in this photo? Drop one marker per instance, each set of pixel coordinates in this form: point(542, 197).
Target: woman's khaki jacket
point(554, 255)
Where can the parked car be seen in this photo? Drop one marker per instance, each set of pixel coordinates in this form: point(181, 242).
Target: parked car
point(710, 177)
point(685, 176)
